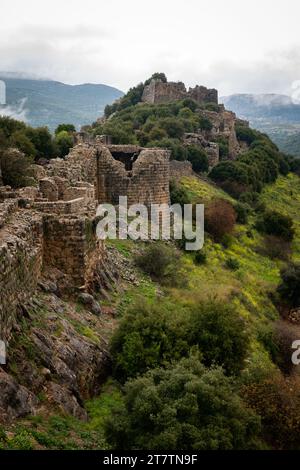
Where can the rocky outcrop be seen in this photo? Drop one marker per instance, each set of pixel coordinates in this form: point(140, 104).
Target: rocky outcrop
point(16, 401)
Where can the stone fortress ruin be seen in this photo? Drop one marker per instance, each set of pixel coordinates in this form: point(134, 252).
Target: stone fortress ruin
point(51, 226)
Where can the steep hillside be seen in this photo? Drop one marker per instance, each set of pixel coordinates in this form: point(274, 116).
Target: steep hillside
point(49, 103)
point(247, 287)
point(277, 115)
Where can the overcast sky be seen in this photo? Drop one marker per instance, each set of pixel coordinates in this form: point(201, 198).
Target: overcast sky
point(234, 45)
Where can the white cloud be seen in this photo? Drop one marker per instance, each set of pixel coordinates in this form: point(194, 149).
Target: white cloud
point(233, 46)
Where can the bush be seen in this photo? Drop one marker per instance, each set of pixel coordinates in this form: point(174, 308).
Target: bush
point(232, 264)
point(227, 240)
point(289, 288)
point(242, 212)
point(64, 142)
point(245, 134)
point(277, 401)
point(15, 168)
point(250, 197)
point(198, 158)
point(220, 333)
point(69, 128)
point(178, 194)
point(147, 337)
point(162, 262)
point(184, 407)
point(220, 218)
point(275, 248)
point(200, 257)
point(274, 223)
point(285, 334)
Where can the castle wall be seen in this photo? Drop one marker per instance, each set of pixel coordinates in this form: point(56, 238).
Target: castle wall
point(21, 254)
point(146, 183)
point(160, 92)
point(180, 169)
point(70, 245)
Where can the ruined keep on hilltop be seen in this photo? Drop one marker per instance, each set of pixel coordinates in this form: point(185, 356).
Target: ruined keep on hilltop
point(164, 92)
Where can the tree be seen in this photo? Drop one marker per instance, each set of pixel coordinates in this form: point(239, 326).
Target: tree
point(64, 141)
point(289, 288)
point(183, 407)
point(43, 142)
point(277, 401)
point(198, 158)
point(221, 335)
point(20, 140)
point(159, 261)
point(69, 128)
point(245, 134)
point(173, 127)
point(148, 336)
point(220, 218)
point(274, 223)
point(15, 168)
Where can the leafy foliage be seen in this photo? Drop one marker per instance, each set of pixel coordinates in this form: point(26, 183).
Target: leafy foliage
point(220, 334)
point(183, 407)
point(274, 223)
point(220, 218)
point(148, 336)
point(15, 168)
point(261, 164)
point(161, 262)
point(289, 289)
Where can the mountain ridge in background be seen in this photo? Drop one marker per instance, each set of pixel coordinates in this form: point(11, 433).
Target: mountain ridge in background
point(277, 115)
point(43, 102)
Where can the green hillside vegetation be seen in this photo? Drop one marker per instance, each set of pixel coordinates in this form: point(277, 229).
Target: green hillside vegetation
point(201, 350)
point(33, 144)
point(222, 314)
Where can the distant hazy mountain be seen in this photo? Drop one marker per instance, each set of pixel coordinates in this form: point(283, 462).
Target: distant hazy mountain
point(276, 115)
point(49, 103)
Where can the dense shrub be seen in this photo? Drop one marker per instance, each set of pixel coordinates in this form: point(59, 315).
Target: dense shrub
point(42, 141)
point(285, 334)
point(184, 407)
point(33, 142)
point(198, 158)
point(223, 147)
point(200, 257)
point(221, 335)
point(64, 142)
point(242, 212)
point(147, 337)
point(178, 194)
point(15, 168)
point(220, 218)
point(277, 401)
point(245, 134)
point(69, 128)
point(289, 288)
point(162, 262)
point(294, 165)
point(251, 170)
point(275, 248)
point(232, 264)
point(274, 223)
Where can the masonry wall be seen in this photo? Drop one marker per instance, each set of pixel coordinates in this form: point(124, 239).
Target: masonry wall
point(161, 92)
point(21, 253)
point(180, 169)
point(147, 183)
point(70, 245)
